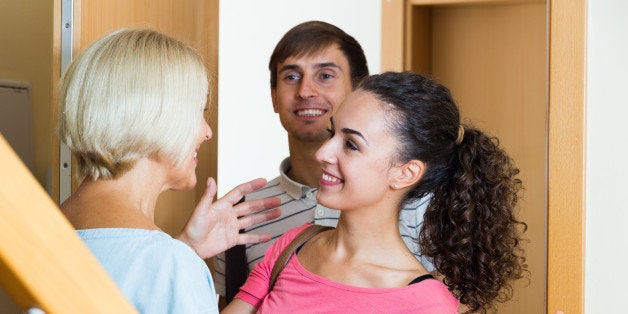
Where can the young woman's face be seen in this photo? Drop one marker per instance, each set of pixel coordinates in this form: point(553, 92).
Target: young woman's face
point(357, 159)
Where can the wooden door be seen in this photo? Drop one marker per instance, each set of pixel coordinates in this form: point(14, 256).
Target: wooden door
point(493, 55)
point(565, 83)
point(192, 21)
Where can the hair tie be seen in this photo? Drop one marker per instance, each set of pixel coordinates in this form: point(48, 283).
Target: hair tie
point(460, 134)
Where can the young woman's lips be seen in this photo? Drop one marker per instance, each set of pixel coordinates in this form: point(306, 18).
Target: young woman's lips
point(328, 179)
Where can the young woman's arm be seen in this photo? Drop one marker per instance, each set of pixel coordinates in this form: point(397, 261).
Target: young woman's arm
point(239, 306)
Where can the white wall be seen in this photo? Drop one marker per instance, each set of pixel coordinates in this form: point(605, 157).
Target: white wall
point(606, 278)
point(251, 141)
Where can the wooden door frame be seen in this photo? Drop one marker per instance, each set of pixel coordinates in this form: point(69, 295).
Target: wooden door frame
point(566, 71)
point(43, 262)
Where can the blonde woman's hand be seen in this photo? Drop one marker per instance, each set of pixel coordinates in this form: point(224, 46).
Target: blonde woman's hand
point(215, 225)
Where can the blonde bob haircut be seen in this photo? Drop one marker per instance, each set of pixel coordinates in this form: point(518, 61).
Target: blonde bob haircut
point(133, 93)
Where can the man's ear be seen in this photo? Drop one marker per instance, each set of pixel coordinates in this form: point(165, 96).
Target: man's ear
point(273, 94)
point(407, 174)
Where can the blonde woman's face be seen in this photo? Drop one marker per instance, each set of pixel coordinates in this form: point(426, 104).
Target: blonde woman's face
point(183, 176)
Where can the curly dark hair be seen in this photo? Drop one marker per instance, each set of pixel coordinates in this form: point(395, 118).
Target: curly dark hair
point(469, 230)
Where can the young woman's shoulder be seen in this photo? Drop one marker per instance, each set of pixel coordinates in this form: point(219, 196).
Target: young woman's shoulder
point(433, 297)
point(276, 248)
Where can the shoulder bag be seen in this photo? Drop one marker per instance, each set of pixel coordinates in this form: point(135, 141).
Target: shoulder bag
point(282, 260)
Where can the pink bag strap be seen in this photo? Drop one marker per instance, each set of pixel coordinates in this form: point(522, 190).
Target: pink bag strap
point(282, 260)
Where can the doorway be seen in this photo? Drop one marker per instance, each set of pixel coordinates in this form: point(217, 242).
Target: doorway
point(493, 55)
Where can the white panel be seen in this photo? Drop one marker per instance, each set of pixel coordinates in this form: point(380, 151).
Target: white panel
point(251, 140)
point(607, 150)
point(16, 119)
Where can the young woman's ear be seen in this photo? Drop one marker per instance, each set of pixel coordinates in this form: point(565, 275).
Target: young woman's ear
point(407, 174)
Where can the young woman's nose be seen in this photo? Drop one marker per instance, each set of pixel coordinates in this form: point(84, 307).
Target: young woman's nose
point(325, 153)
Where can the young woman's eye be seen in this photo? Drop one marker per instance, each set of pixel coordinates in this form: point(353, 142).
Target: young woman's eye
point(331, 132)
point(350, 145)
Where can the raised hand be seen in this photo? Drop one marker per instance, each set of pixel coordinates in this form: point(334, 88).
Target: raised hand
point(214, 226)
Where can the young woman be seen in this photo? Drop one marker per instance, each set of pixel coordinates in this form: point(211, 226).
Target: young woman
point(131, 112)
point(398, 137)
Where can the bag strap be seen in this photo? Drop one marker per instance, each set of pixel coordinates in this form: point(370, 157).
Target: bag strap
point(236, 268)
point(282, 260)
point(236, 271)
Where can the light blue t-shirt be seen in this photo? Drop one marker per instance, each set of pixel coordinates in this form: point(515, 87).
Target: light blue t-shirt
point(157, 273)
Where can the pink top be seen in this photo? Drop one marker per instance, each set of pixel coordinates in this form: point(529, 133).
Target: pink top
point(298, 290)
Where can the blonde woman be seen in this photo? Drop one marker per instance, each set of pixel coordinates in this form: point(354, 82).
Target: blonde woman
point(132, 108)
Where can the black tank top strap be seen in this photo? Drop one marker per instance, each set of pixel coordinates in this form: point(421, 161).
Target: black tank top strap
point(421, 278)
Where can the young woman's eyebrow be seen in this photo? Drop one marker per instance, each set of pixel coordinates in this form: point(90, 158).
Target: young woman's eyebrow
point(354, 132)
point(348, 131)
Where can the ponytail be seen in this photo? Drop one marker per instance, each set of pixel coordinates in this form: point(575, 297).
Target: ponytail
point(470, 230)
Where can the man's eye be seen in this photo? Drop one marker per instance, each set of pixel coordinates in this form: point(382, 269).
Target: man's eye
point(292, 77)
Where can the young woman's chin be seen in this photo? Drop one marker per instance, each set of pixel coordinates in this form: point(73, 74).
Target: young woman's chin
point(327, 200)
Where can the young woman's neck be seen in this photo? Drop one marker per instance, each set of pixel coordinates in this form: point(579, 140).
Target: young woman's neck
point(371, 229)
point(364, 239)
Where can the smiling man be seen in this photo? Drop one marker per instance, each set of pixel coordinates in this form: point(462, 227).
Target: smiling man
point(312, 70)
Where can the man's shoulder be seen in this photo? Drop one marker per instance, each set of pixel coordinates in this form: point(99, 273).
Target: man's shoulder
point(412, 212)
point(271, 189)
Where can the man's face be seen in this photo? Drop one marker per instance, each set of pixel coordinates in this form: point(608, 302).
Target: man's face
point(309, 90)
